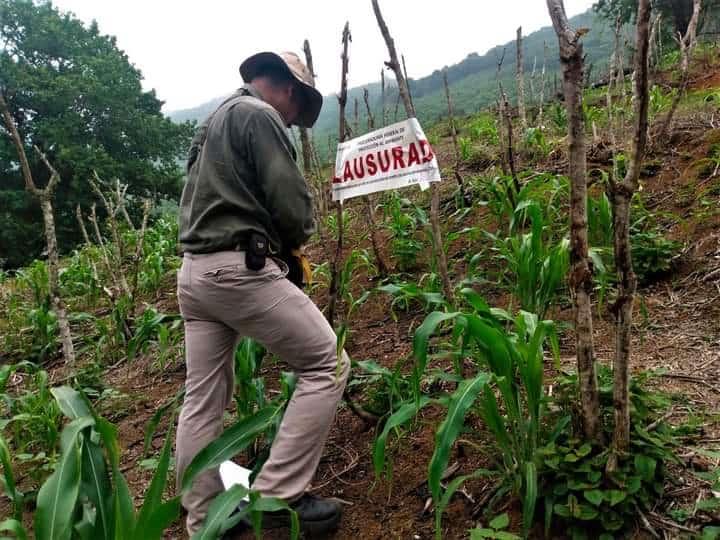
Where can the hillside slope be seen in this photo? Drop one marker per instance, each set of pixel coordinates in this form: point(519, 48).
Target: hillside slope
point(472, 81)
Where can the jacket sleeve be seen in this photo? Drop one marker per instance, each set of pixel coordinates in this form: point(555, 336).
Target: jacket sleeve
point(287, 198)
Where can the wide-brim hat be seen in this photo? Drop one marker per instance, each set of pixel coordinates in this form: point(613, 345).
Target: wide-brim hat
point(291, 63)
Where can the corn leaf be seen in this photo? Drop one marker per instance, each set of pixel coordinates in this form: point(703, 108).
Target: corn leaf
point(405, 412)
point(420, 345)
point(9, 479)
point(461, 400)
point(530, 496)
point(95, 485)
point(153, 495)
point(152, 425)
point(70, 402)
point(232, 441)
point(160, 519)
point(58, 495)
point(219, 511)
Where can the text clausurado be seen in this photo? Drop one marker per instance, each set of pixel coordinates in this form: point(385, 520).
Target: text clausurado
point(384, 160)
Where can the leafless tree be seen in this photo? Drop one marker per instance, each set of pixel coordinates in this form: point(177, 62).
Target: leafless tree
point(342, 132)
point(622, 192)
point(520, 79)
point(687, 44)
point(434, 193)
point(44, 197)
point(581, 283)
point(453, 133)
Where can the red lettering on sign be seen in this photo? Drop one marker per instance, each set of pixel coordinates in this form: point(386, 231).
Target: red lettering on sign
point(336, 180)
point(347, 173)
point(427, 152)
point(397, 154)
point(384, 167)
point(358, 168)
point(371, 165)
point(413, 155)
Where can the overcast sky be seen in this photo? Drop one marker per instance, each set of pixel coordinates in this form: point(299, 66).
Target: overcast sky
point(189, 50)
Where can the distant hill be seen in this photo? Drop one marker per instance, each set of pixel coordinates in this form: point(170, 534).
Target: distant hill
point(472, 81)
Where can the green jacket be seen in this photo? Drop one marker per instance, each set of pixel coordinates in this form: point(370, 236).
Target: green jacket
point(242, 177)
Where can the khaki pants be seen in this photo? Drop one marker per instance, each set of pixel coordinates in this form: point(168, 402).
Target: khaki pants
point(220, 301)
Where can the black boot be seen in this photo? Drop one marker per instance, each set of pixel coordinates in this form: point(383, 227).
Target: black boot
point(316, 516)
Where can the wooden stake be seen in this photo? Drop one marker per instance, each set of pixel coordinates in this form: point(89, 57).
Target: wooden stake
point(580, 279)
point(434, 193)
point(44, 197)
point(687, 44)
point(453, 133)
point(520, 79)
point(369, 211)
point(382, 97)
point(501, 115)
point(407, 82)
point(307, 155)
point(622, 193)
point(342, 132)
point(541, 103)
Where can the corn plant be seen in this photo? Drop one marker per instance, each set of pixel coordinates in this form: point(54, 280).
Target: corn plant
point(8, 483)
point(484, 129)
point(407, 293)
point(79, 278)
point(35, 277)
point(465, 147)
point(383, 387)
point(159, 256)
point(402, 225)
point(510, 378)
point(535, 141)
point(600, 221)
point(534, 266)
point(558, 116)
point(31, 416)
point(503, 200)
point(262, 424)
point(659, 101)
point(86, 496)
point(249, 386)
point(148, 329)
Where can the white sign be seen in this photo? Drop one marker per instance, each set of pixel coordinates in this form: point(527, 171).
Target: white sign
point(393, 157)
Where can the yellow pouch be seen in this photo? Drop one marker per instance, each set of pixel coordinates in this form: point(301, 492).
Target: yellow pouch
point(305, 264)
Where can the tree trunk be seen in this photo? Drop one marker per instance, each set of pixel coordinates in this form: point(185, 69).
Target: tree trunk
point(510, 146)
point(53, 272)
point(407, 83)
point(382, 97)
point(520, 78)
point(434, 193)
point(541, 104)
point(342, 131)
point(687, 44)
point(307, 154)
point(44, 197)
point(622, 193)
point(580, 279)
point(356, 123)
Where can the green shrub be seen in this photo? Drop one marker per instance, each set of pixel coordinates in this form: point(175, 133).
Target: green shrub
point(580, 495)
point(653, 255)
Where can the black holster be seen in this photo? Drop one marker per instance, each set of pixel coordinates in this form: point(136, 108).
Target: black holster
point(257, 252)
